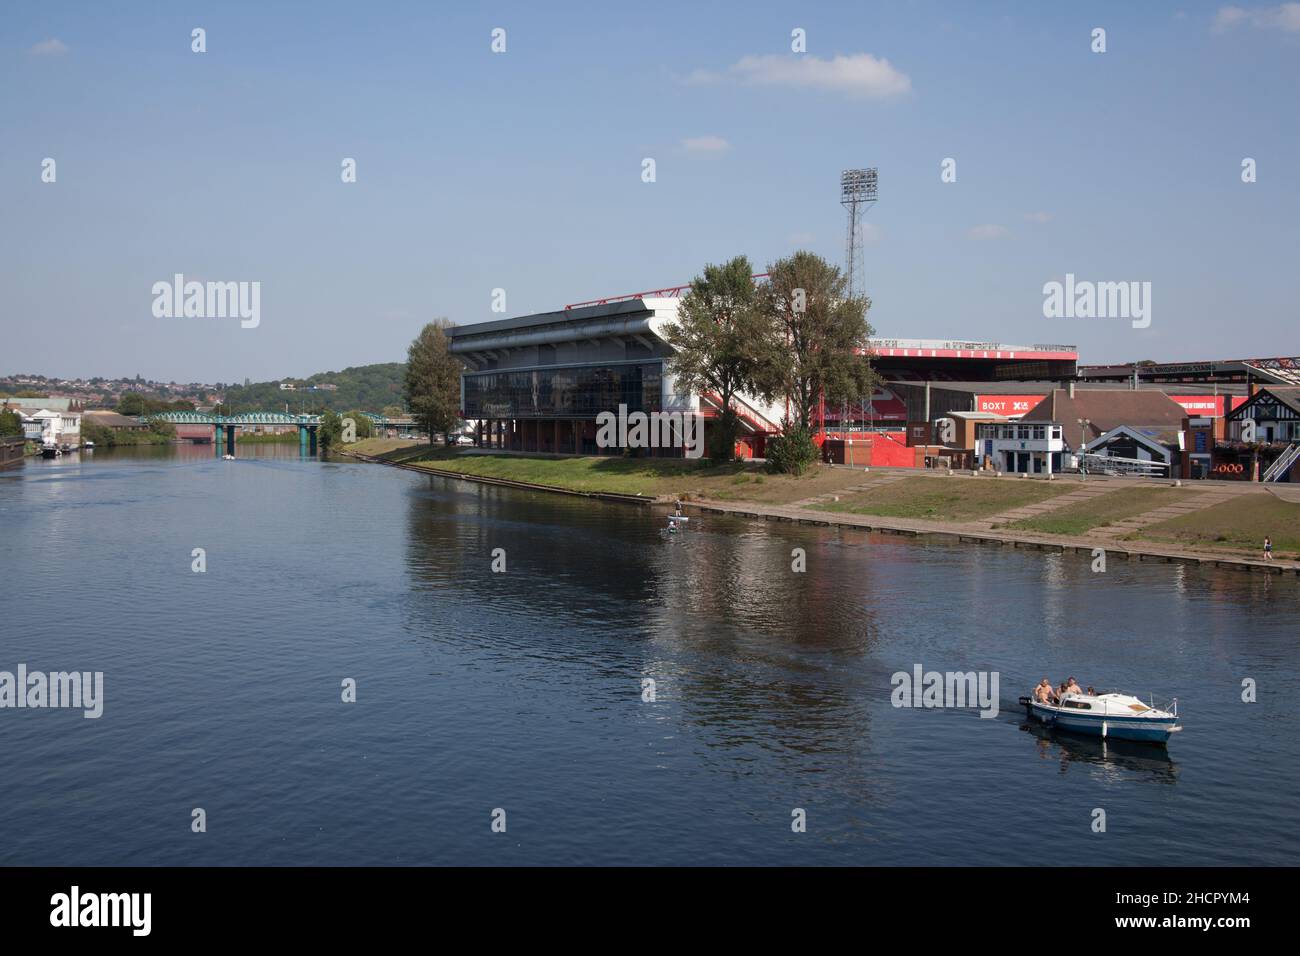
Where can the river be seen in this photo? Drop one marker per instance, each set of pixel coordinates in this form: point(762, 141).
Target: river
point(525, 690)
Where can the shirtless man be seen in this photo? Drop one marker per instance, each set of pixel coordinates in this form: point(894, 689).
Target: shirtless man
point(1072, 687)
point(1043, 692)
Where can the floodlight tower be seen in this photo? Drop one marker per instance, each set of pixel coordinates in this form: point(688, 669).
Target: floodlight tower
point(857, 194)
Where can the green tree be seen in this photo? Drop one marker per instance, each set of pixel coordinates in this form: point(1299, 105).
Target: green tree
point(10, 423)
point(824, 335)
point(330, 430)
point(722, 345)
point(393, 411)
point(101, 435)
point(364, 427)
point(432, 384)
point(792, 451)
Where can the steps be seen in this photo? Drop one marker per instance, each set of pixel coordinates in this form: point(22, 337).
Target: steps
point(1282, 464)
point(830, 497)
point(1137, 522)
point(1051, 504)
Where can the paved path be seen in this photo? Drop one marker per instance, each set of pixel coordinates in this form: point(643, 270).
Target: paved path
point(1042, 507)
point(875, 481)
point(1164, 513)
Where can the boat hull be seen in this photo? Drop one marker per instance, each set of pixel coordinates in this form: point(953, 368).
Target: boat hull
point(1111, 727)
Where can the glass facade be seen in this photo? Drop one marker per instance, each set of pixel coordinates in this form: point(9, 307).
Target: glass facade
point(579, 392)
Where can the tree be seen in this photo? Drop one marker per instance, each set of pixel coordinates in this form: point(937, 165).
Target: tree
point(824, 334)
point(10, 423)
point(393, 411)
point(330, 430)
point(362, 422)
point(432, 384)
point(721, 343)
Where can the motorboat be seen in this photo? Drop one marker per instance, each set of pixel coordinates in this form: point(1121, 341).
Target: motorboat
point(1109, 716)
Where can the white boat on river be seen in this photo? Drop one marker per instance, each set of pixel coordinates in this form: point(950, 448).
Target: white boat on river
point(1113, 716)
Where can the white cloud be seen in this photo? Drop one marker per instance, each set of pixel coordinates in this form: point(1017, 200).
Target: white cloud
point(51, 47)
point(705, 144)
point(987, 231)
point(1284, 17)
point(1039, 217)
point(859, 74)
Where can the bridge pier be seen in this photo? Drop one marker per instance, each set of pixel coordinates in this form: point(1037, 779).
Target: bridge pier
point(218, 439)
point(307, 441)
point(230, 439)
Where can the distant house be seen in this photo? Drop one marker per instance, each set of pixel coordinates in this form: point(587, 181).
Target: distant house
point(1160, 447)
point(288, 387)
point(54, 427)
point(30, 405)
point(114, 421)
point(1262, 437)
point(1050, 436)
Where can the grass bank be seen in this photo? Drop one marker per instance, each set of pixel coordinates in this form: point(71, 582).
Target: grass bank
point(649, 477)
point(947, 499)
point(1238, 525)
point(1084, 516)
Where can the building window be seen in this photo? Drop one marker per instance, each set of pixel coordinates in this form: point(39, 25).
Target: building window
point(581, 392)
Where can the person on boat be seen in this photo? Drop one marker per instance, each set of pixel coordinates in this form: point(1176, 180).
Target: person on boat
point(1043, 693)
point(1091, 692)
point(1072, 687)
point(1062, 690)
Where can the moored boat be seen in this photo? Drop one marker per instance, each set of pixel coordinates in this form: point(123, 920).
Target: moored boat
point(1113, 716)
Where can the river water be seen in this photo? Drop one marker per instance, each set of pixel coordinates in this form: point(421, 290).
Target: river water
point(524, 691)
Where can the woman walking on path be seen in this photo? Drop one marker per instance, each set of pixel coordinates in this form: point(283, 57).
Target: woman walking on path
point(1268, 549)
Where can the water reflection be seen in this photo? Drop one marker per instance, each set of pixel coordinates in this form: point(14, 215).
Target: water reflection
point(1113, 758)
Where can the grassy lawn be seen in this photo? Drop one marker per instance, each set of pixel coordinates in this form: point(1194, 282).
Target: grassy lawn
point(651, 477)
point(1236, 525)
point(390, 449)
point(949, 499)
point(1100, 511)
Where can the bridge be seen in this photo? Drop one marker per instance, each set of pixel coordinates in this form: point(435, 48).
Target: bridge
point(222, 429)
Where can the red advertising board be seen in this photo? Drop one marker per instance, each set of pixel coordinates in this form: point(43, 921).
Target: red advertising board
point(1208, 406)
point(1011, 406)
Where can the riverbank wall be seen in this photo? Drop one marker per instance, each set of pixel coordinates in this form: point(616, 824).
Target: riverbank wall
point(907, 527)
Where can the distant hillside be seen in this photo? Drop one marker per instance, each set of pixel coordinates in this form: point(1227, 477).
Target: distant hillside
point(365, 387)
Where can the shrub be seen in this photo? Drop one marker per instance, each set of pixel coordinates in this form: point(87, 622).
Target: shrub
point(791, 452)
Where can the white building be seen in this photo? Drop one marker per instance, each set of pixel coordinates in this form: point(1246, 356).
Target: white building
point(1034, 448)
point(54, 427)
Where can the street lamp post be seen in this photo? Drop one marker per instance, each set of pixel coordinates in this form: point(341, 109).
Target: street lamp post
point(1083, 440)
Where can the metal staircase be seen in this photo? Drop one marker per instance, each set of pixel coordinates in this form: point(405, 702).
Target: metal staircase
point(1282, 464)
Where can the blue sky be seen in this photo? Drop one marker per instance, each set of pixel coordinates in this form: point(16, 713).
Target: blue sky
point(522, 170)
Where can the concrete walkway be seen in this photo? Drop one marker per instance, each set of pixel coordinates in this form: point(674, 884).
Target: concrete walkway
point(876, 481)
point(1164, 513)
point(1043, 507)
